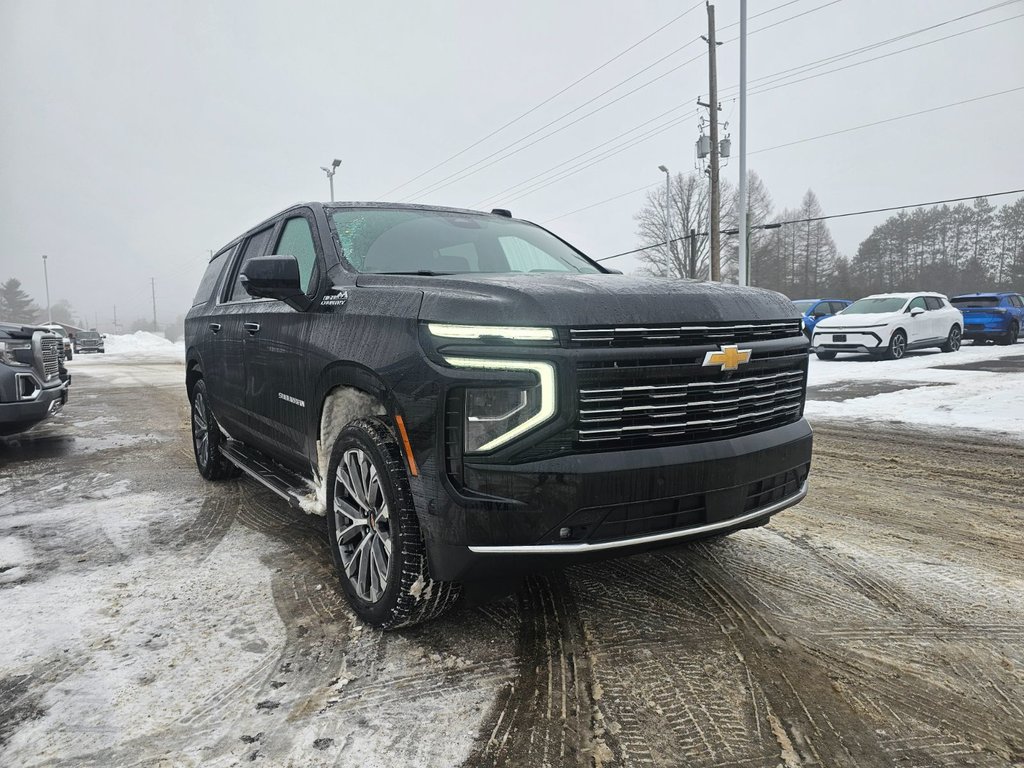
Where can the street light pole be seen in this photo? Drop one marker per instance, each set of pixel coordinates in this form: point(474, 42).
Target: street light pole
point(744, 252)
point(668, 209)
point(46, 278)
point(330, 174)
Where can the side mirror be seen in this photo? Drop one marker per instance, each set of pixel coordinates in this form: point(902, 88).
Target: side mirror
point(274, 277)
point(916, 311)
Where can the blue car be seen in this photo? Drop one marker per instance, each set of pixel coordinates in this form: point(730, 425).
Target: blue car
point(994, 317)
point(818, 309)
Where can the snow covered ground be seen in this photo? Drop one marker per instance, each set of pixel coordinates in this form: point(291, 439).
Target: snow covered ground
point(141, 346)
point(922, 390)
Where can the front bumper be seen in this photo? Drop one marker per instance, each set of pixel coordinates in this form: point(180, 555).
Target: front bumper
point(17, 415)
point(848, 341)
point(525, 517)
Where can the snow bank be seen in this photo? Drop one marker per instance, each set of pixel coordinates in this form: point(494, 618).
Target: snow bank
point(144, 345)
point(933, 396)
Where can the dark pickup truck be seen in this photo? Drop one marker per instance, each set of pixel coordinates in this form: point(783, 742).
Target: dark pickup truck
point(468, 398)
point(33, 381)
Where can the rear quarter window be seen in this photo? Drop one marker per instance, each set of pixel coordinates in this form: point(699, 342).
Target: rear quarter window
point(211, 276)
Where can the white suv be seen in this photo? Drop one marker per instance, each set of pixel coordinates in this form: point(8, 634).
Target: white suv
point(888, 324)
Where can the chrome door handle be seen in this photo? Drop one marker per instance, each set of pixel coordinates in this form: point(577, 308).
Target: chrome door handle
point(252, 328)
point(215, 327)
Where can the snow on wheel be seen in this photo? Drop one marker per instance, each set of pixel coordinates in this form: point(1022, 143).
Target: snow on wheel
point(375, 537)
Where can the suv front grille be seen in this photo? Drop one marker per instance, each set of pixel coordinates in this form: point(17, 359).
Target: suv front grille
point(685, 335)
point(51, 349)
point(660, 409)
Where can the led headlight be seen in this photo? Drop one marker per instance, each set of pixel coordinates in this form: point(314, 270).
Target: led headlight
point(479, 332)
point(8, 350)
point(495, 416)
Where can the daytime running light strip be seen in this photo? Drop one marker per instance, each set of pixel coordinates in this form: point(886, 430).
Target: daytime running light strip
point(544, 371)
point(448, 331)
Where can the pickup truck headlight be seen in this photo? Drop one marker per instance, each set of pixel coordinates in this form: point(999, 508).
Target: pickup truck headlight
point(495, 416)
point(8, 350)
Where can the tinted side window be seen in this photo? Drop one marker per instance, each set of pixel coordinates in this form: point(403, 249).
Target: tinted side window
point(933, 302)
point(212, 274)
point(1017, 301)
point(253, 247)
point(917, 303)
point(838, 306)
point(297, 240)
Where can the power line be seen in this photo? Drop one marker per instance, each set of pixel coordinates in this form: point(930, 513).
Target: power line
point(549, 99)
point(771, 87)
point(888, 120)
point(780, 75)
point(472, 168)
point(805, 67)
point(777, 224)
point(602, 202)
point(582, 166)
point(576, 157)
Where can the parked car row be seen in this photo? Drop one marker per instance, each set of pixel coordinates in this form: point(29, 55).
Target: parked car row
point(890, 324)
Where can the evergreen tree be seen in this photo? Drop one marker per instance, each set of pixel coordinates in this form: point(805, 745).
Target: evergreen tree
point(15, 305)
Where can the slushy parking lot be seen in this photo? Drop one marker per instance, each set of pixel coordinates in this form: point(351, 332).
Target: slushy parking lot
point(152, 618)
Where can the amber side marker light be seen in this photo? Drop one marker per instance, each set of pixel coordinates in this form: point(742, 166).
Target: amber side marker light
point(400, 423)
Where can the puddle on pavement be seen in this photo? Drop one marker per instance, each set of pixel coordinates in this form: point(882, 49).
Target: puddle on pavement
point(1013, 364)
point(851, 390)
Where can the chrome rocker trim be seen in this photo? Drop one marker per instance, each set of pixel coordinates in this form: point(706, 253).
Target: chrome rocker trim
point(583, 546)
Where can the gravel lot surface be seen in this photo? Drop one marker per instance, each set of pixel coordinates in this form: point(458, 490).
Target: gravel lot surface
point(150, 618)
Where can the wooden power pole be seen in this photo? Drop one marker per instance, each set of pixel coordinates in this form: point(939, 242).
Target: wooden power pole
point(715, 225)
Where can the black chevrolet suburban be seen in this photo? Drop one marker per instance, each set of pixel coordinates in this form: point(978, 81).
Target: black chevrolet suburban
point(33, 380)
point(467, 397)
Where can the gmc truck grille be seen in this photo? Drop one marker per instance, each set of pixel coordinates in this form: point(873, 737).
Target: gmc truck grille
point(51, 349)
point(659, 407)
point(685, 335)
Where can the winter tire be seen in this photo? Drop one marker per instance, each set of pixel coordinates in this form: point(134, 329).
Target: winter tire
point(953, 340)
point(1011, 336)
point(207, 438)
point(897, 346)
point(375, 536)
point(826, 355)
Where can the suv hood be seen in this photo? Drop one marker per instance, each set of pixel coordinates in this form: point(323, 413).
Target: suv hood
point(859, 321)
point(579, 300)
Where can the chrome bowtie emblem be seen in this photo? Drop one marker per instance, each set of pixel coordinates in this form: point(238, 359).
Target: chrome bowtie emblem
point(729, 358)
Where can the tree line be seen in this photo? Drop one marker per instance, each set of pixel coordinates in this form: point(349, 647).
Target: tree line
point(958, 249)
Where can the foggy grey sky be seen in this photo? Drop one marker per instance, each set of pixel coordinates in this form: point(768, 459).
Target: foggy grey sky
point(137, 135)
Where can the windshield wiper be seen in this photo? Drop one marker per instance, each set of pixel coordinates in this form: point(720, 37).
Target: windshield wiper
point(424, 272)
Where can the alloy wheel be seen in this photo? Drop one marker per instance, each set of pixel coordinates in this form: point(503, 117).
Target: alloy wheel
point(362, 523)
point(899, 346)
point(200, 429)
point(954, 339)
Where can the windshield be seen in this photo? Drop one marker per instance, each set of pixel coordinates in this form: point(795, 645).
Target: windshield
point(88, 335)
point(977, 301)
point(875, 306)
point(803, 306)
point(397, 241)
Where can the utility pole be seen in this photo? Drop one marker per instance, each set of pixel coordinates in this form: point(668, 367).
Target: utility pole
point(152, 284)
point(116, 325)
point(744, 252)
point(716, 269)
point(693, 253)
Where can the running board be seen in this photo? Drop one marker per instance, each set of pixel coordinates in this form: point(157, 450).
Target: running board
point(285, 483)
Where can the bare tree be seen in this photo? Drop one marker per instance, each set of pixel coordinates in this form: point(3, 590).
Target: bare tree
point(689, 210)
